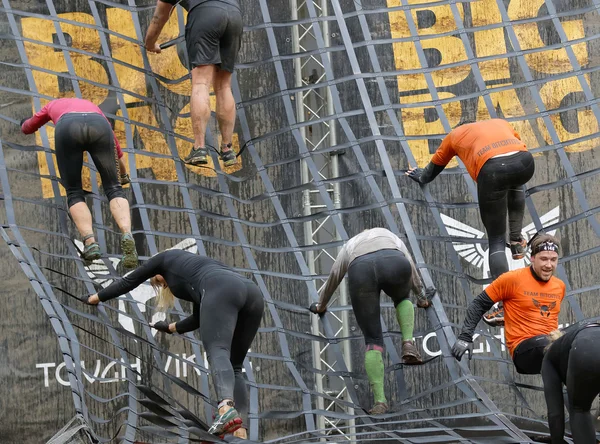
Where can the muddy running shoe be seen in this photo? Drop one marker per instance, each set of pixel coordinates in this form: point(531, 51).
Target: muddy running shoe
point(227, 422)
point(91, 252)
point(410, 354)
point(130, 256)
point(124, 179)
point(495, 318)
point(228, 155)
point(198, 156)
point(379, 408)
point(518, 250)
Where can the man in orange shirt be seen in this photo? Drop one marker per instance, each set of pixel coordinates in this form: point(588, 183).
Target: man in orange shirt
point(531, 298)
point(499, 162)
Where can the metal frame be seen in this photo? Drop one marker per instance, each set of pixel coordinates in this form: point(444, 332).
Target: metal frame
point(314, 104)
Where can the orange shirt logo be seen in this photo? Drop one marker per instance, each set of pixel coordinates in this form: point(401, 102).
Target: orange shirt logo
point(545, 310)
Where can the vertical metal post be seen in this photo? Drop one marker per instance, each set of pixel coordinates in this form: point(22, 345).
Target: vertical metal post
point(315, 104)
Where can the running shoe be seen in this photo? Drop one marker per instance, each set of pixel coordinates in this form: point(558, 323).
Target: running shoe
point(227, 422)
point(91, 252)
point(379, 408)
point(495, 318)
point(519, 249)
point(410, 354)
point(124, 179)
point(228, 155)
point(130, 256)
point(198, 156)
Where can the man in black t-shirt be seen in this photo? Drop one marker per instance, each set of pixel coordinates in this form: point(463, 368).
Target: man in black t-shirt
point(213, 34)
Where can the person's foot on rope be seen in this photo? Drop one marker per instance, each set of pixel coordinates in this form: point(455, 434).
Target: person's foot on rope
point(379, 408)
point(227, 420)
point(130, 256)
point(495, 317)
point(197, 156)
point(518, 249)
point(91, 250)
point(410, 354)
point(228, 155)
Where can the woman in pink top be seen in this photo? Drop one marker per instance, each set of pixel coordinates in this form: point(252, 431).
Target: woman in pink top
point(81, 126)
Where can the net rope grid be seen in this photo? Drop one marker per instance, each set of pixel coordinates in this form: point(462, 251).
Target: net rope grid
point(169, 418)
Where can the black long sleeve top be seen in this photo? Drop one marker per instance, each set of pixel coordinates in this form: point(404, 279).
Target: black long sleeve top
point(475, 311)
point(554, 375)
point(184, 273)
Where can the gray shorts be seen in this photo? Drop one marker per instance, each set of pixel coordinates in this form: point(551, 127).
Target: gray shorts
point(213, 35)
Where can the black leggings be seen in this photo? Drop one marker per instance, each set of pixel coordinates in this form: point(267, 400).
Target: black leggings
point(230, 313)
point(583, 384)
point(500, 190)
point(91, 132)
point(368, 275)
point(529, 354)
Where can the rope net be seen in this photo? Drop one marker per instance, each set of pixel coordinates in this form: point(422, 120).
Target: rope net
point(335, 100)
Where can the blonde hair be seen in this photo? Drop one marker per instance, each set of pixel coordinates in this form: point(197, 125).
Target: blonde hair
point(553, 336)
point(165, 298)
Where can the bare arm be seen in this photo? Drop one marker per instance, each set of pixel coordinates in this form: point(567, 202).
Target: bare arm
point(160, 18)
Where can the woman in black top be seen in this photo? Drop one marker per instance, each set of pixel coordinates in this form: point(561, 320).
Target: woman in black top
point(228, 309)
point(573, 360)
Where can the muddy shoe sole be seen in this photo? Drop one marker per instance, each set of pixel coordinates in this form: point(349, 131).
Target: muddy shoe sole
point(229, 158)
point(130, 257)
point(410, 359)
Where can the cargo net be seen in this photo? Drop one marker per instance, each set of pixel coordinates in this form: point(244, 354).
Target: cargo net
point(335, 100)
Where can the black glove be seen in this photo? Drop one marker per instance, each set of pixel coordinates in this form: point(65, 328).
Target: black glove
point(161, 326)
point(85, 300)
point(416, 174)
point(314, 308)
point(460, 347)
point(23, 121)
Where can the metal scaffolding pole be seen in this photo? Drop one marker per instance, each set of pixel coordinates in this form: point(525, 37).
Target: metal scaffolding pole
point(314, 104)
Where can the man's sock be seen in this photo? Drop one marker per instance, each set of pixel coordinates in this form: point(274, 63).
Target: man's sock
point(375, 372)
point(405, 313)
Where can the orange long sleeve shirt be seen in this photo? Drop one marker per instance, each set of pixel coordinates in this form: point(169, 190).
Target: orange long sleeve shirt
point(475, 143)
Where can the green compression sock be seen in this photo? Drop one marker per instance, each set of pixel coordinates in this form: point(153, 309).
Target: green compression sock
point(374, 367)
point(405, 313)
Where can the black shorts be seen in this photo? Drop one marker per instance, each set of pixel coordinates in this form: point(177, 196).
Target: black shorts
point(529, 354)
point(213, 34)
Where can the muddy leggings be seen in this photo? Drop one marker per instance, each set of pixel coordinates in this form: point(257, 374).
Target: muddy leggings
point(368, 275)
point(230, 313)
point(583, 384)
point(91, 132)
point(500, 191)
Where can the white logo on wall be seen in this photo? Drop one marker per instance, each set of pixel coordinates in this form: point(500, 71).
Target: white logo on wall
point(475, 254)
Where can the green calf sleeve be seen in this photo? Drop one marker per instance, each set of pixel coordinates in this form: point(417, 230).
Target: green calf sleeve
point(405, 313)
point(374, 367)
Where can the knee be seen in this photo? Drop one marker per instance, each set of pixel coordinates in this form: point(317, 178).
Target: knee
point(401, 299)
point(114, 191)
point(75, 196)
point(377, 347)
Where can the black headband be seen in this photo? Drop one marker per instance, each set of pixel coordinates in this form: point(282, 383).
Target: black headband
point(545, 246)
